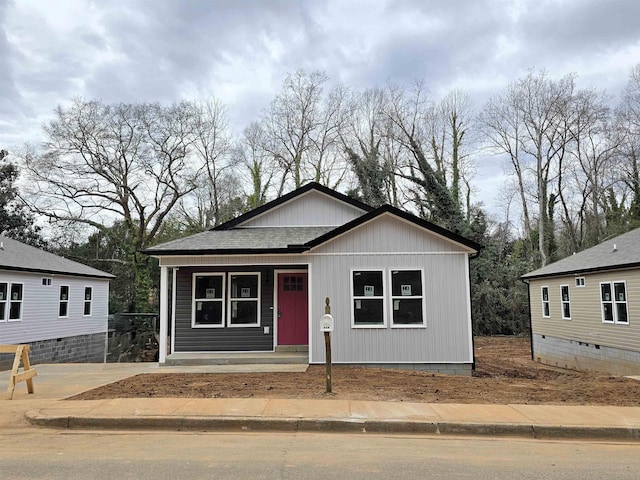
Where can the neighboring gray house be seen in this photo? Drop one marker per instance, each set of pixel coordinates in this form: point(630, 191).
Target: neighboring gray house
point(57, 306)
point(585, 309)
point(399, 286)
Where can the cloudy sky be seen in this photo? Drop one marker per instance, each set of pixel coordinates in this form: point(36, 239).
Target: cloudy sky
point(240, 51)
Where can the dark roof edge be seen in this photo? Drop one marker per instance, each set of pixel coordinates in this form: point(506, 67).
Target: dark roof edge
point(285, 198)
point(231, 251)
point(398, 213)
point(622, 266)
point(56, 272)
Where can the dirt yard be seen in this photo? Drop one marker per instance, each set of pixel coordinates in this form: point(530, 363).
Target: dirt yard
point(504, 374)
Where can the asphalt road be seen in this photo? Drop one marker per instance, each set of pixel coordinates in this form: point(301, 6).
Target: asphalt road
point(50, 454)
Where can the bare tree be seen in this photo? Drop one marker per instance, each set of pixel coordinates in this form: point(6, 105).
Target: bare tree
point(368, 147)
point(115, 164)
point(628, 126)
point(526, 123)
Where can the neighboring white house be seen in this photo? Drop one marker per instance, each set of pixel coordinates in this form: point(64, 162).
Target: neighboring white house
point(398, 285)
point(585, 309)
point(57, 306)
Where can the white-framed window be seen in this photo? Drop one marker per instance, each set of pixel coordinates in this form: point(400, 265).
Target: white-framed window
point(88, 299)
point(10, 302)
point(367, 299)
point(407, 298)
point(546, 304)
point(46, 281)
point(565, 301)
point(244, 299)
point(580, 282)
point(208, 300)
point(613, 297)
point(4, 288)
point(63, 305)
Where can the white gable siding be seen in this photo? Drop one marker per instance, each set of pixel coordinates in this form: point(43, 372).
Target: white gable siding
point(388, 243)
point(446, 338)
point(311, 209)
point(389, 234)
point(40, 303)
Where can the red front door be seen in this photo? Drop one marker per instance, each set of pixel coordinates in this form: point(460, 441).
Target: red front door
point(293, 322)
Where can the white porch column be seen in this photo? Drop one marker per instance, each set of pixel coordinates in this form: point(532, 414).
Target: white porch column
point(164, 312)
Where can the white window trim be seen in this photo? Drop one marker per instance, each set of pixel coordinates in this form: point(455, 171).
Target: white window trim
point(407, 297)
point(252, 299)
point(5, 302)
point(548, 301)
point(90, 302)
point(582, 283)
point(383, 297)
point(562, 302)
point(9, 301)
point(194, 299)
point(46, 281)
point(614, 302)
point(60, 301)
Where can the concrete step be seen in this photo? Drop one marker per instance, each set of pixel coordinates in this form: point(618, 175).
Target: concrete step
point(248, 358)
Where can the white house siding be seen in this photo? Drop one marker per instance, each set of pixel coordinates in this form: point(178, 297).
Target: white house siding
point(40, 303)
point(389, 234)
point(586, 317)
point(311, 209)
point(447, 336)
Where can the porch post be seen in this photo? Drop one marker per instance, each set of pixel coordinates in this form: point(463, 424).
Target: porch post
point(164, 313)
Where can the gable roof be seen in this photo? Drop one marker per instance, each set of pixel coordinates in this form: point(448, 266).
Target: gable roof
point(286, 240)
point(238, 221)
point(622, 251)
point(18, 256)
point(397, 213)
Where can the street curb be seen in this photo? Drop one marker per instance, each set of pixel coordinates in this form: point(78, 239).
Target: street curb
point(261, 424)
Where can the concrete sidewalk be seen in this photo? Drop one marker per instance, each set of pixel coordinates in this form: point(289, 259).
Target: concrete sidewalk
point(56, 382)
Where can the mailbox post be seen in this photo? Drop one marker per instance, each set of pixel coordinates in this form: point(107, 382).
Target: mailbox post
point(326, 326)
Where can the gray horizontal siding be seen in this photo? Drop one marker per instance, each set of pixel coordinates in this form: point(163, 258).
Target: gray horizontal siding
point(40, 303)
point(225, 339)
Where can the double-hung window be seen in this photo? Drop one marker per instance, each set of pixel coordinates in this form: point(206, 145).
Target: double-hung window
point(367, 288)
point(208, 300)
point(244, 299)
point(10, 302)
point(613, 297)
point(565, 301)
point(63, 304)
point(88, 296)
point(407, 298)
point(546, 305)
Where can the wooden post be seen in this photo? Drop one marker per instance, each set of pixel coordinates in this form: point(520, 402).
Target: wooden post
point(21, 353)
point(327, 346)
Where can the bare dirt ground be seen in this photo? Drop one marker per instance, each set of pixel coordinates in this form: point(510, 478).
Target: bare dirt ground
point(504, 374)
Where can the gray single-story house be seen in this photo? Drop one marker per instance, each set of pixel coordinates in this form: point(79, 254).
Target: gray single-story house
point(57, 306)
point(585, 309)
point(398, 285)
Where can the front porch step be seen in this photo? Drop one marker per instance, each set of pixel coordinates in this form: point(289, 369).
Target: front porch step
point(292, 348)
point(249, 358)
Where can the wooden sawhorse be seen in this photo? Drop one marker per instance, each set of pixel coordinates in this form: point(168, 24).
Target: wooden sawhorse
point(21, 353)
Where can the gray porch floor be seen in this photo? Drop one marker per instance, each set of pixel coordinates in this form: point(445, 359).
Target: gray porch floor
point(248, 358)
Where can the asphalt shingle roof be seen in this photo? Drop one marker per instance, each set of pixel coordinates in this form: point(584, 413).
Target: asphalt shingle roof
point(16, 255)
point(601, 257)
point(241, 239)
